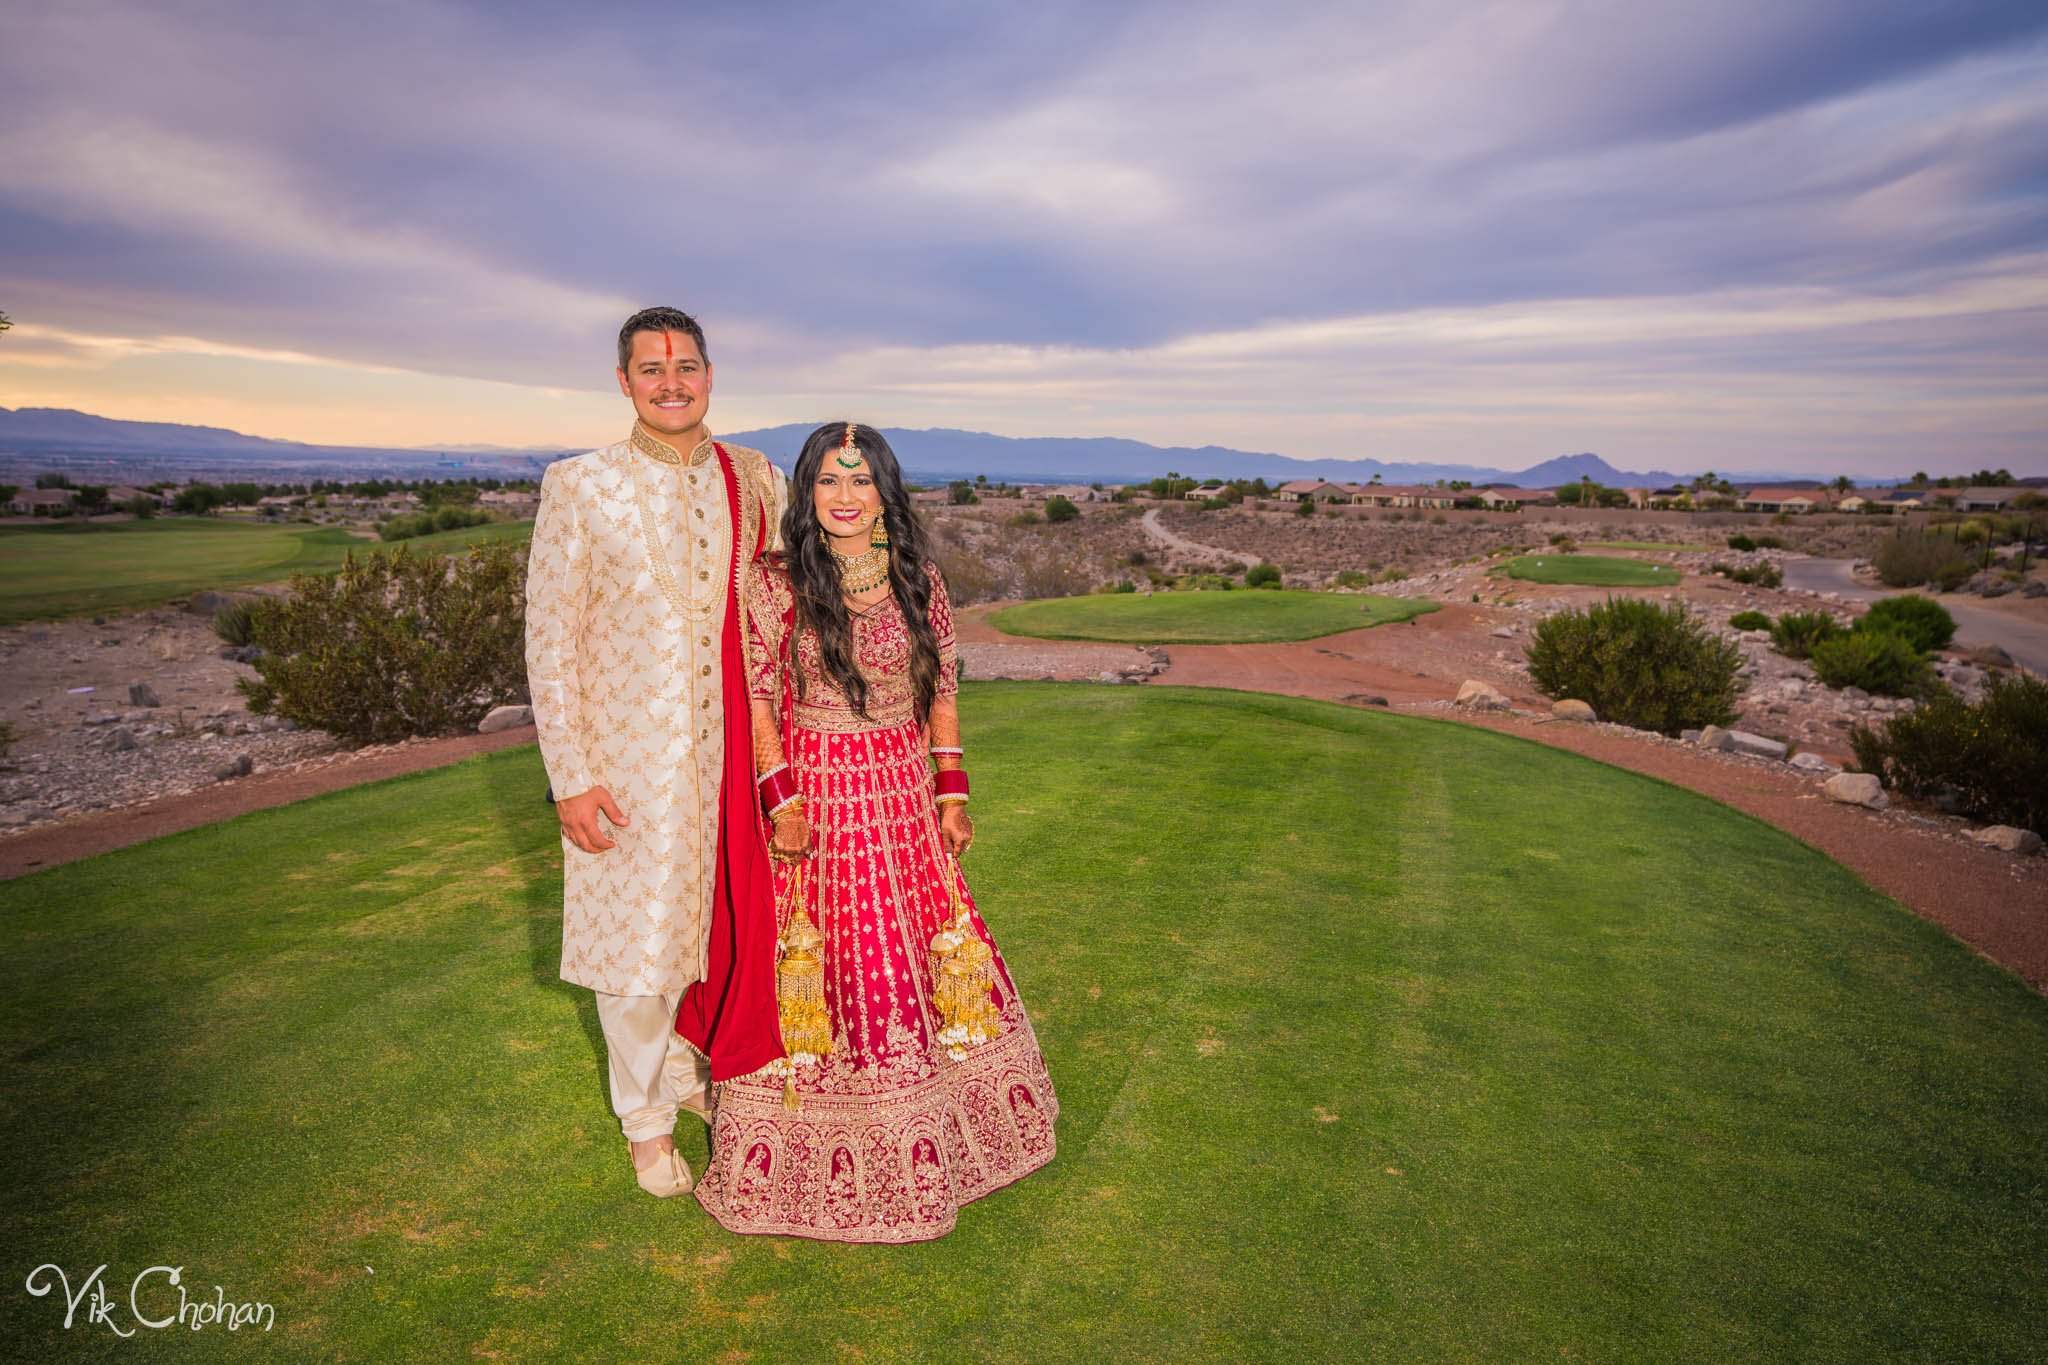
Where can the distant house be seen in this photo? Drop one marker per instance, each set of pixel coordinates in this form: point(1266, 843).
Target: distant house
point(1638, 497)
point(1513, 498)
point(932, 495)
point(40, 502)
point(1854, 502)
point(1403, 495)
point(509, 500)
point(1902, 500)
point(1077, 493)
point(1314, 490)
point(1985, 499)
point(1204, 492)
point(117, 497)
point(1783, 500)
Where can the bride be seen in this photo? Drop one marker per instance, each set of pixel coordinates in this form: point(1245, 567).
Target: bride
point(913, 1083)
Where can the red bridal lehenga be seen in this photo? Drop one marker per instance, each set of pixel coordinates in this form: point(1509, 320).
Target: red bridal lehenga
point(891, 1133)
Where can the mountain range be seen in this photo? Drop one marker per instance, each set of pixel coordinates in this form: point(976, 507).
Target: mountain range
point(104, 448)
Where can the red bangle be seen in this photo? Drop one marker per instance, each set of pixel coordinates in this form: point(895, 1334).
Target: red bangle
point(952, 782)
point(776, 787)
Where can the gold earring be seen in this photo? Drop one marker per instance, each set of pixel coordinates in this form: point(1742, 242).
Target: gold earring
point(880, 535)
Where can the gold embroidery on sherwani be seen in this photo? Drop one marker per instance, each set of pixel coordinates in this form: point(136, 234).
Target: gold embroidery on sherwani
point(626, 696)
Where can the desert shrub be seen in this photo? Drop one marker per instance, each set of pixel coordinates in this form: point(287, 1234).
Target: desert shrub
point(1741, 542)
point(1564, 542)
point(9, 737)
point(1763, 575)
point(1262, 576)
point(1352, 578)
point(1027, 517)
point(394, 645)
point(142, 509)
point(1768, 542)
point(1991, 756)
point(1907, 559)
point(1638, 663)
point(235, 624)
point(1750, 620)
point(1920, 621)
point(1058, 509)
point(426, 523)
point(1124, 585)
point(1304, 508)
point(1796, 632)
point(1212, 504)
point(1874, 662)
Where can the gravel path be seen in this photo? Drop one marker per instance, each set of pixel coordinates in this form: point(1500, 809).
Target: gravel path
point(1167, 539)
point(2025, 640)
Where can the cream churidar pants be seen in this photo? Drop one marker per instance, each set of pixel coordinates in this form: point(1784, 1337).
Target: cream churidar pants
point(653, 1071)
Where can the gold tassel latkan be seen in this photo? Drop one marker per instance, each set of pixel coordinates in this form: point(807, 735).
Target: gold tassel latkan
point(963, 979)
point(800, 991)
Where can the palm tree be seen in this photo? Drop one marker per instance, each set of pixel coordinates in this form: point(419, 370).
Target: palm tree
point(1842, 484)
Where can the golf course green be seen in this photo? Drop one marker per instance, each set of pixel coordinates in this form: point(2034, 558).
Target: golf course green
point(1600, 571)
point(72, 568)
point(1375, 1037)
point(1204, 618)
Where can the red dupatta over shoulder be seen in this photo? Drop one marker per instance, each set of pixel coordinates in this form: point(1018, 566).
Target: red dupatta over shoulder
point(730, 1016)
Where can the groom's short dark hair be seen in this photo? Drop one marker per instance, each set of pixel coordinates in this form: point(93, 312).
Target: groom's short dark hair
point(660, 320)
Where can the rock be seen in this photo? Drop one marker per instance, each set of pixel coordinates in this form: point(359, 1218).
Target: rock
point(1504, 632)
point(1365, 699)
point(2034, 588)
point(142, 694)
point(1570, 708)
point(1854, 694)
point(1811, 762)
point(242, 654)
point(242, 766)
point(1689, 736)
point(1713, 737)
point(1481, 696)
point(1759, 746)
point(1989, 656)
point(2007, 839)
point(512, 717)
point(1856, 789)
point(109, 719)
point(124, 740)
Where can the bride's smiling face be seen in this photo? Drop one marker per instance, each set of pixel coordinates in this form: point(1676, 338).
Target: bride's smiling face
point(846, 500)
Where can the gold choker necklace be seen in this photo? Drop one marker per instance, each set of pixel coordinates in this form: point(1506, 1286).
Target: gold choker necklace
point(859, 573)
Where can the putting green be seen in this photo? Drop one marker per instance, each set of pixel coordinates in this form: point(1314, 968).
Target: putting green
point(1245, 616)
point(1603, 571)
point(1375, 1037)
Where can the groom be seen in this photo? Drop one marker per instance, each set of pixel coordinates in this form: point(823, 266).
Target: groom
point(634, 661)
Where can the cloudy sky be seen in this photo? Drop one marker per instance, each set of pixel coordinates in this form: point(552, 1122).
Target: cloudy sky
point(1731, 235)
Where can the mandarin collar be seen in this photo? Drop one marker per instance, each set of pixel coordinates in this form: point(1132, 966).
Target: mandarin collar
point(654, 448)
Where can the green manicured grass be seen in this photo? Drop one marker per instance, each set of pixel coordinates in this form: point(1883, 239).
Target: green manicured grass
point(1244, 616)
point(1666, 546)
point(1376, 1038)
point(1603, 571)
point(69, 569)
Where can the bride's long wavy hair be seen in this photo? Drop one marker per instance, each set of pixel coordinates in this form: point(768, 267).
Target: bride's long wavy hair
point(814, 575)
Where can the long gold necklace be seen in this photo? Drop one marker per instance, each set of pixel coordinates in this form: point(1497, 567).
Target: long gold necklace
point(862, 572)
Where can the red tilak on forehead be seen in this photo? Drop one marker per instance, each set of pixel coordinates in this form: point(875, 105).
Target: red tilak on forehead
point(668, 347)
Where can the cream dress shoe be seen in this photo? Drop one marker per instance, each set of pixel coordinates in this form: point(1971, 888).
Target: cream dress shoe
point(667, 1176)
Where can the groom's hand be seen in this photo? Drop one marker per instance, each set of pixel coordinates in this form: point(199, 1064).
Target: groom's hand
point(578, 815)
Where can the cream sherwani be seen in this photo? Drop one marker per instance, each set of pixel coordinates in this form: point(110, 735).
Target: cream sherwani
point(626, 592)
